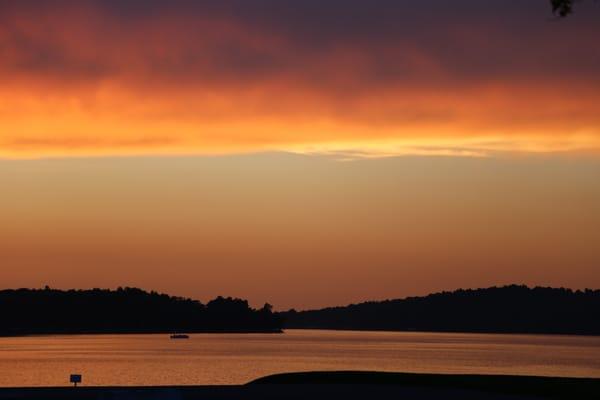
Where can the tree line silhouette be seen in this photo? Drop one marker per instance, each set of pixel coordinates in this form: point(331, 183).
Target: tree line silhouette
point(126, 310)
point(508, 309)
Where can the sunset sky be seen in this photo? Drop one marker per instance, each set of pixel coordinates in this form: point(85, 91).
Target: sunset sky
point(305, 153)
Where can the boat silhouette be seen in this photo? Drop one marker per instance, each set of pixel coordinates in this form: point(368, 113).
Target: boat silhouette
point(179, 336)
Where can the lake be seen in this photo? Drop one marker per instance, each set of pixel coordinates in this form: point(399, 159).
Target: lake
point(239, 358)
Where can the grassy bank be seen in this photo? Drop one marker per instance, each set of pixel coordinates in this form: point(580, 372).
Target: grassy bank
point(546, 387)
point(340, 385)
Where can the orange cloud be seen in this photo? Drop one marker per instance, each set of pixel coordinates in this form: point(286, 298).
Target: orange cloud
point(105, 78)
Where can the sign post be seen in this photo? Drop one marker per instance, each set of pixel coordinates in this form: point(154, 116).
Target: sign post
point(75, 379)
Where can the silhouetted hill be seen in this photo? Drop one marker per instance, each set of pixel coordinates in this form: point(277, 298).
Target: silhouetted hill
point(509, 309)
point(125, 310)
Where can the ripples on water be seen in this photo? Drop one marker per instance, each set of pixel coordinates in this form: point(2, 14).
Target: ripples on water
point(239, 358)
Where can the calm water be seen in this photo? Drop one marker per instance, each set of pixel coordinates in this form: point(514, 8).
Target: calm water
point(235, 359)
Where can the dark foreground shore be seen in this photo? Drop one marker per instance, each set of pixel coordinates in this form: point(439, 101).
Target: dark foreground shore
point(341, 385)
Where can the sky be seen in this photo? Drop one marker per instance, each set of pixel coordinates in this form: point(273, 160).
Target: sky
point(304, 153)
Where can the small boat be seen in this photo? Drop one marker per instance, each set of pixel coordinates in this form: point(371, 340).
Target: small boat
point(179, 336)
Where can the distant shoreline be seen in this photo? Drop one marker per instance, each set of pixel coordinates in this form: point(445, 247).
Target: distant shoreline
point(167, 333)
point(127, 310)
point(512, 309)
point(440, 331)
point(283, 331)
